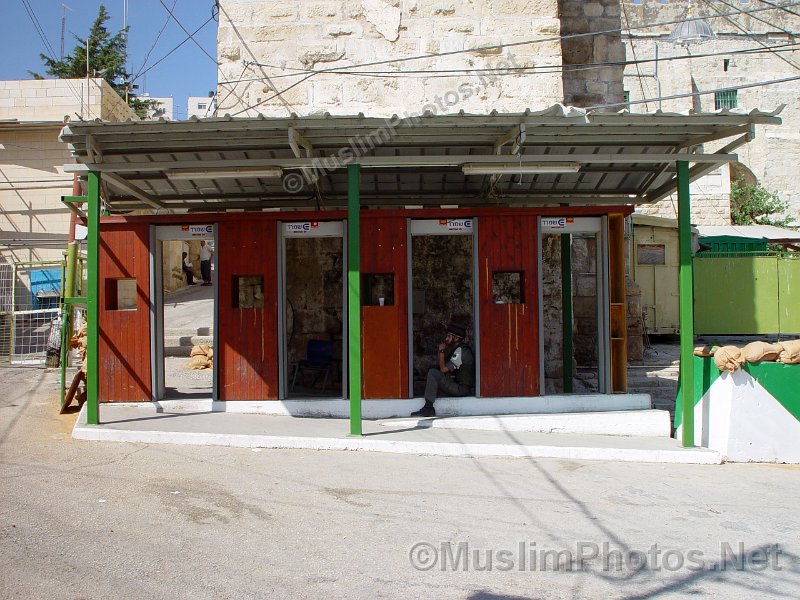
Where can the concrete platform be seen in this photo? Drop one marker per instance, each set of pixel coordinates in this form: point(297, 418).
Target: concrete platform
point(142, 424)
point(621, 422)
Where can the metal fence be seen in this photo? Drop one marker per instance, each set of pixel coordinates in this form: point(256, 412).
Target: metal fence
point(29, 308)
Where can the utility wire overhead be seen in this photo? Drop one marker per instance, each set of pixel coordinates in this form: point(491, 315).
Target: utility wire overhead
point(152, 47)
point(508, 71)
point(163, 58)
point(751, 36)
point(186, 31)
point(521, 43)
point(493, 47)
point(698, 93)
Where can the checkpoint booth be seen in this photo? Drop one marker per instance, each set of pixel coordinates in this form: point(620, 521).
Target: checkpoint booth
point(400, 224)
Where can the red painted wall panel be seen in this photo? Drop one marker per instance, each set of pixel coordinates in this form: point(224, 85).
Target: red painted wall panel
point(124, 345)
point(384, 329)
point(509, 332)
point(247, 337)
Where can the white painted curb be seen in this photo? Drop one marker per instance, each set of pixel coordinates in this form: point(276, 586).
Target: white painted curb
point(680, 456)
point(643, 423)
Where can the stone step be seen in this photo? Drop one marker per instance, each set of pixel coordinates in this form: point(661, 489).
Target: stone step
point(186, 331)
point(182, 345)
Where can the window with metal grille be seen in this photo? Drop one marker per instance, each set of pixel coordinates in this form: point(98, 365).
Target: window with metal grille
point(626, 96)
point(726, 99)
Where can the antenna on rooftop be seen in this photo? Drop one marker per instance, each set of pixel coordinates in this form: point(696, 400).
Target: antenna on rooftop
point(64, 9)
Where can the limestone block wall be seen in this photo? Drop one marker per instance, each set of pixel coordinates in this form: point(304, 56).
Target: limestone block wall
point(55, 99)
point(32, 181)
point(32, 178)
point(710, 200)
point(291, 37)
point(771, 156)
point(590, 79)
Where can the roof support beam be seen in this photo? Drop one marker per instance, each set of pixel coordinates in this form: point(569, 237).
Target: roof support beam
point(122, 184)
point(419, 161)
point(699, 170)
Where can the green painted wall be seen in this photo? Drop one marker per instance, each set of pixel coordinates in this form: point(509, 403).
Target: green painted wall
point(746, 295)
point(781, 381)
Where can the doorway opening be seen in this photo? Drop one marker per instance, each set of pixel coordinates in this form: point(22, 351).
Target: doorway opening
point(313, 310)
point(574, 264)
point(441, 280)
point(184, 312)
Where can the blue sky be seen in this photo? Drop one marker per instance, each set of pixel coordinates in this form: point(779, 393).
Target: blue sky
point(186, 72)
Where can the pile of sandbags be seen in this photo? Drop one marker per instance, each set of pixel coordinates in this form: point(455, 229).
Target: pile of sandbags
point(790, 352)
point(201, 358)
point(731, 358)
point(78, 340)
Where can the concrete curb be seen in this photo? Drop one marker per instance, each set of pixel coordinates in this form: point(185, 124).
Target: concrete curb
point(681, 456)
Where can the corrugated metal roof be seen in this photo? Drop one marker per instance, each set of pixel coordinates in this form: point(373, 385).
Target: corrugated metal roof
point(203, 164)
point(763, 232)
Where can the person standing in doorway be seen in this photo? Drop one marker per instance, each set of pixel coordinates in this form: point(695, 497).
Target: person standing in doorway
point(205, 262)
point(454, 373)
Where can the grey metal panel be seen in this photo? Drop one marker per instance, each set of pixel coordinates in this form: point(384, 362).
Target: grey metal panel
point(215, 358)
point(410, 309)
point(156, 347)
point(603, 312)
point(541, 304)
point(282, 341)
point(476, 313)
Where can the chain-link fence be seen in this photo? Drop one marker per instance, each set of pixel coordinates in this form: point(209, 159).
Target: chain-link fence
point(29, 308)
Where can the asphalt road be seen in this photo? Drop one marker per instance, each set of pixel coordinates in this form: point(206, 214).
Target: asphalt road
point(87, 520)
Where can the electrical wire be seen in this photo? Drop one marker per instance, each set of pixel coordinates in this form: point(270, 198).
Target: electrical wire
point(186, 31)
point(491, 47)
point(633, 50)
point(517, 44)
point(163, 58)
point(778, 6)
point(762, 20)
point(158, 37)
point(751, 36)
point(52, 55)
point(507, 71)
point(696, 93)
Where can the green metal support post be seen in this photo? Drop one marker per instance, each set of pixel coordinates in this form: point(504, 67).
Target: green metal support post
point(686, 304)
point(566, 311)
point(92, 308)
point(354, 295)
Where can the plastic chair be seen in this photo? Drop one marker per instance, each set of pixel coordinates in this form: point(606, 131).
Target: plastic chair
point(319, 359)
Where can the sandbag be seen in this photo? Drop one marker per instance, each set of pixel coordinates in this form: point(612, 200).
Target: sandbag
point(790, 346)
point(728, 358)
point(705, 351)
point(790, 353)
point(201, 358)
point(198, 362)
point(761, 351)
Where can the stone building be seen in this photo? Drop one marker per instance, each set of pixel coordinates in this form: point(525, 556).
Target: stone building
point(723, 72)
point(271, 54)
point(33, 222)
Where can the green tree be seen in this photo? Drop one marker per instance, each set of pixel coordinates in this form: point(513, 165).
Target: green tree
point(751, 204)
point(107, 56)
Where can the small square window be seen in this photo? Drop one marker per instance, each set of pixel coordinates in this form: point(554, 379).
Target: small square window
point(377, 289)
point(651, 254)
point(726, 99)
point(120, 294)
point(507, 287)
point(248, 291)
